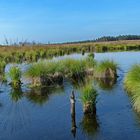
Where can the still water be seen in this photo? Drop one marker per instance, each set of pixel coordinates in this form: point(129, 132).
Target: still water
point(44, 114)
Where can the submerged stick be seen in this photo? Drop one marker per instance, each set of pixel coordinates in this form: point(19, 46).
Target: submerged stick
point(73, 119)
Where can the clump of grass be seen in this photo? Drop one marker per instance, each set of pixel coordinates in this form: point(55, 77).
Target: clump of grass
point(132, 85)
point(88, 94)
point(105, 64)
point(88, 98)
point(132, 79)
point(2, 66)
point(15, 76)
point(90, 62)
point(35, 69)
point(106, 69)
point(45, 67)
point(73, 69)
point(91, 55)
point(45, 73)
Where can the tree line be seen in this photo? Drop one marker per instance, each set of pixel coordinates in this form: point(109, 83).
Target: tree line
point(117, 38)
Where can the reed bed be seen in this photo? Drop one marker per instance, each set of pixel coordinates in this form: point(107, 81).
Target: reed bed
point(32, 53)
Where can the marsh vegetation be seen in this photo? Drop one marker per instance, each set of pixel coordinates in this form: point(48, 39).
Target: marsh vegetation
point(88, 97)
point(32, 53)
point(132, 85)
point(43, 87)
point(53, 72)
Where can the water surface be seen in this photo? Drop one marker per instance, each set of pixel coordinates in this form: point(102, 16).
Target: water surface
point(44, 114)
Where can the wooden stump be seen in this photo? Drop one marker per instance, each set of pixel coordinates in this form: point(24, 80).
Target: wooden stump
point(73, 120)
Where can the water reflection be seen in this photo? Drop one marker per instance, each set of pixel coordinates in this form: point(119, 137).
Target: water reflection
point(38, 96)
point(41, 95)
point(89, 124)
point(73, 114)
point(106, 84)
point(16, 94)
point(79, 83)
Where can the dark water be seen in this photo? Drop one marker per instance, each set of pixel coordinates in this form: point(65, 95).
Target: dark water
point(44, 114)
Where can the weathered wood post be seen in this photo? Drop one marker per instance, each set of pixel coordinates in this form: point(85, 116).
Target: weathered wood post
point(72, 101)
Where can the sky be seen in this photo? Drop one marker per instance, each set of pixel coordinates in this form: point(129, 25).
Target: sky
point(67, 20)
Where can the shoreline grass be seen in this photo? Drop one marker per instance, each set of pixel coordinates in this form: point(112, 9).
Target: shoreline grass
point(132, 85)
point(32, 53)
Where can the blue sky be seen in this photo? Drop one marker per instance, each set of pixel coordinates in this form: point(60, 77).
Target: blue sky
point(67, 20)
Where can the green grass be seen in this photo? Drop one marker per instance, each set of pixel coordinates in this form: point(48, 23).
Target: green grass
point(88, 94)
point(15, 75)
point(67, 67)
point(32, 53)
point(45, 68)
point(2, 66)
point(104, 66)
point(132, 85)
point(91, 55)
point(74, 68)
point(34, 70)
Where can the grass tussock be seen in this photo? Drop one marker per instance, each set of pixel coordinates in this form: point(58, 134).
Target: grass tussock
point(52, 72)
point(132, 85)
point(88, 97)
point(88, 94)
point(69, 67)
point(2, 66)
point(15, 76)
point(106, 68)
